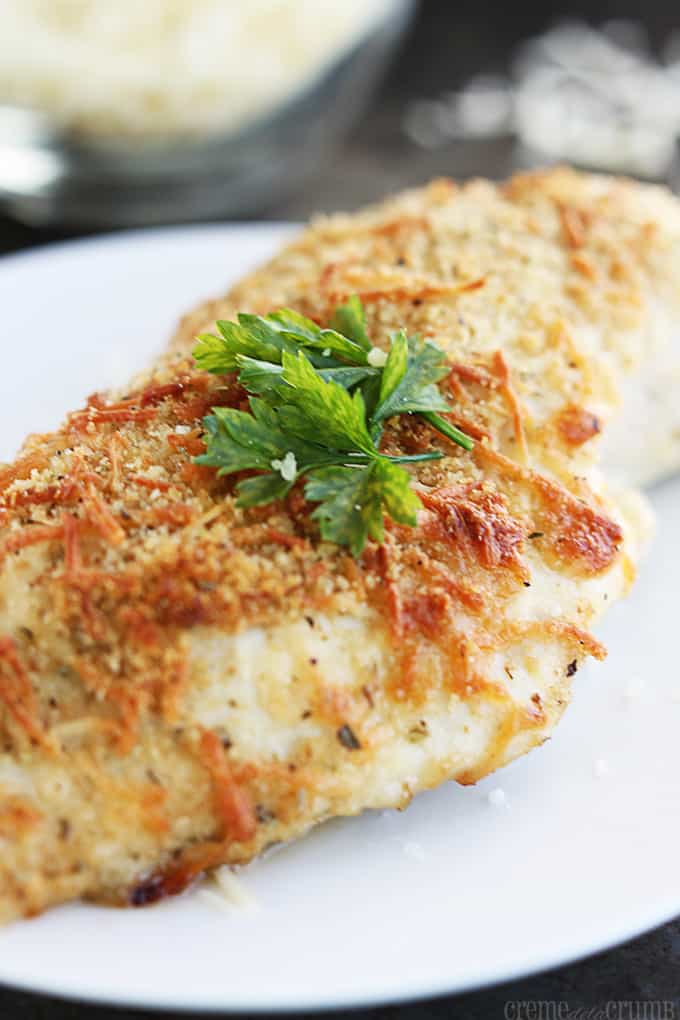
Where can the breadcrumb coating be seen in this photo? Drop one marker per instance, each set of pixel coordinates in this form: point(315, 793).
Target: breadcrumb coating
point(184, 682)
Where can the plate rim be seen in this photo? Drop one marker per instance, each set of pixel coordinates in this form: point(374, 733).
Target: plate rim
point(78, 990)
point(369, 999)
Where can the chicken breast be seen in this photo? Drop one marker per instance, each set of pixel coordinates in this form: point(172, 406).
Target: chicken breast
point(183, 682)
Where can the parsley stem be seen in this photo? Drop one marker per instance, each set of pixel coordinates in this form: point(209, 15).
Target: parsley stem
point(415, 458)
point(447, 429)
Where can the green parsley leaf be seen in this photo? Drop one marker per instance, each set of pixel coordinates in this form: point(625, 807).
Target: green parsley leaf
point(262, 489)
point(287, 320)
point(319, 398)
point(353, 499)
point(262, 377)
point(304, 333)
point(266, 379)
point(350, 376)
point(263, 331)
point(219, 354)
point(350, 320)
point(266, 338)
point(332, 344)
point(210, 354)
point(238, 441)
point(350, 509)
point(399, 499)
point(314, 408)
point(395, 367)
point(411, 387)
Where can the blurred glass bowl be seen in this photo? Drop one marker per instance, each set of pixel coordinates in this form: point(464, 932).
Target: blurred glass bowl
point(47, 178)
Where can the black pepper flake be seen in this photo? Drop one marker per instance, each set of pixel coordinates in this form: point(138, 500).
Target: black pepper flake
point(419, 731)
point(263, 814)
point(348, 739)
point(572, 667)
point(535, 534)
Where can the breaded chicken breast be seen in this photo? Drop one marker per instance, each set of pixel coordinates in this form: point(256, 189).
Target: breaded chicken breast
point(184, 682)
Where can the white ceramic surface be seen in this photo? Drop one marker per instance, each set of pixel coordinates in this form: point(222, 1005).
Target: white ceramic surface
point(457, 892)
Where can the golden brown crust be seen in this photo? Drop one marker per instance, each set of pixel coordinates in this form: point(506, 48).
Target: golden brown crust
point(128, 556)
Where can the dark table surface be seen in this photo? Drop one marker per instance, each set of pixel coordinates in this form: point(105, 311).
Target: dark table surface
point(375, 159)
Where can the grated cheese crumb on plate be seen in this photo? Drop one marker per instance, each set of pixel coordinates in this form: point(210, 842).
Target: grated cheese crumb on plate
point(232, 890)
point(214, 899)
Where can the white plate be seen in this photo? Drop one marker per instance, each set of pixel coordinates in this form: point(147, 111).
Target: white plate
point(457, 892)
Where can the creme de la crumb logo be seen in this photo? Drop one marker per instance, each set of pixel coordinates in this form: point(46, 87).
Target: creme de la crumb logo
point(614, 1009)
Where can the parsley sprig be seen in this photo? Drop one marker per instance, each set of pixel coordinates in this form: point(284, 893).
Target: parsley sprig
point(319, 399)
